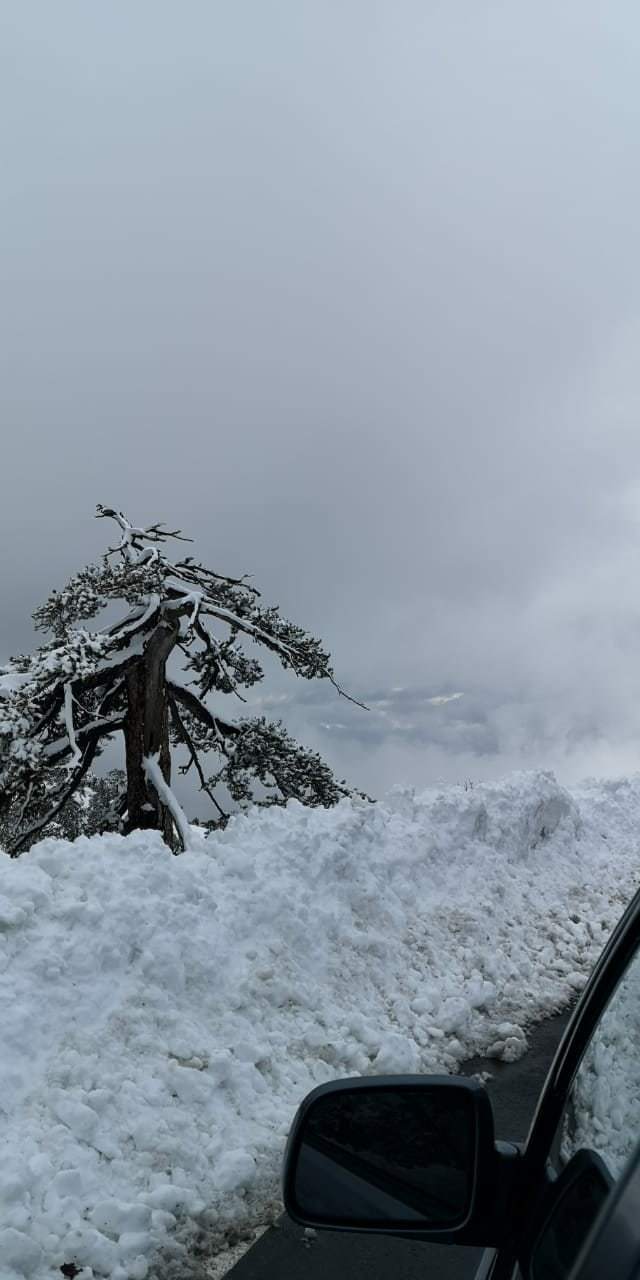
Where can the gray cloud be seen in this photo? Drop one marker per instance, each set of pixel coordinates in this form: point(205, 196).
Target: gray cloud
point(351, 292)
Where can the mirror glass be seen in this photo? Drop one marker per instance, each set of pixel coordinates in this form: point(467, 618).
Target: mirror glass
point(400, 1156)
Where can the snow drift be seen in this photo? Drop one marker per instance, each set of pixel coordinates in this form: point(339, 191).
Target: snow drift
point(162, 1017)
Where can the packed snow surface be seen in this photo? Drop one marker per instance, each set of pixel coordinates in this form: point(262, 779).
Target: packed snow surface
point(161, 1017)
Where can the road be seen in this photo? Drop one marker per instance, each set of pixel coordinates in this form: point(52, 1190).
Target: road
point(284, 1253)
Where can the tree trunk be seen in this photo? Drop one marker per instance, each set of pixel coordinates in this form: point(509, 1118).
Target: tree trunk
point(164, 760)
point(140, 813)
point(147, 733)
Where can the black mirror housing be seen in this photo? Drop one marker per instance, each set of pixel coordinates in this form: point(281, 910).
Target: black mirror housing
point(400, 1155)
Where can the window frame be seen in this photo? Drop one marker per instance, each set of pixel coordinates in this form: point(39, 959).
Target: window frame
point(534, 1185)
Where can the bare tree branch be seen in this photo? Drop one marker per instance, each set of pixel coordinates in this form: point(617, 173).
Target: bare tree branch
point(154, 532)
point(198, 709)
point(25, 837)
point(190, 566)
point(54, 701)
point(57, 750)
point(188, 741)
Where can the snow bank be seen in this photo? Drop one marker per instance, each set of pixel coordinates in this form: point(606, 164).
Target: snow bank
point(162, 1017)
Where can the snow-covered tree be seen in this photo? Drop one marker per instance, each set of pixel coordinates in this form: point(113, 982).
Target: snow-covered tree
point(59, 705)
point(92, 808)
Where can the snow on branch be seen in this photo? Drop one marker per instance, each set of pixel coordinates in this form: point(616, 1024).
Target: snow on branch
point(68, 720)
point(103, 727)
point(193, 598)
point(137, 620)
point(155, 776)
point(132, 536)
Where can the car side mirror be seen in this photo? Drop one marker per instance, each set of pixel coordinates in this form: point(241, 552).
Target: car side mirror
point(394, 1154)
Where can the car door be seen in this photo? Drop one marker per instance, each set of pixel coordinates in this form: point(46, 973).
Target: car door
point(417, 1156)
point(587, 1124)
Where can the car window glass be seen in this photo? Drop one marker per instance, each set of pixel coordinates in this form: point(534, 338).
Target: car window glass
point(603, 1108)
point(600, 1122)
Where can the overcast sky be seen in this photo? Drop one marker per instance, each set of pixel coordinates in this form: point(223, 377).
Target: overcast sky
point(350, 291)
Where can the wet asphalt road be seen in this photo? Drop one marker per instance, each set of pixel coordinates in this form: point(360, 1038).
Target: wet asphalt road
point(283, 1252)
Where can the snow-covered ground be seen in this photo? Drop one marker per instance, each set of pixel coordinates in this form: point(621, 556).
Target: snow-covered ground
point(161, 1017)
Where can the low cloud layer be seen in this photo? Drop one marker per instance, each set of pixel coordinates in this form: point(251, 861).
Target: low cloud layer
point(352, 294)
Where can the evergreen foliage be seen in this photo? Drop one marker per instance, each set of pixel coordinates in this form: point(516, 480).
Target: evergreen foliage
point(93, 809)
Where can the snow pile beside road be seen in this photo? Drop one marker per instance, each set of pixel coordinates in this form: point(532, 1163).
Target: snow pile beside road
point(161, 1017)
